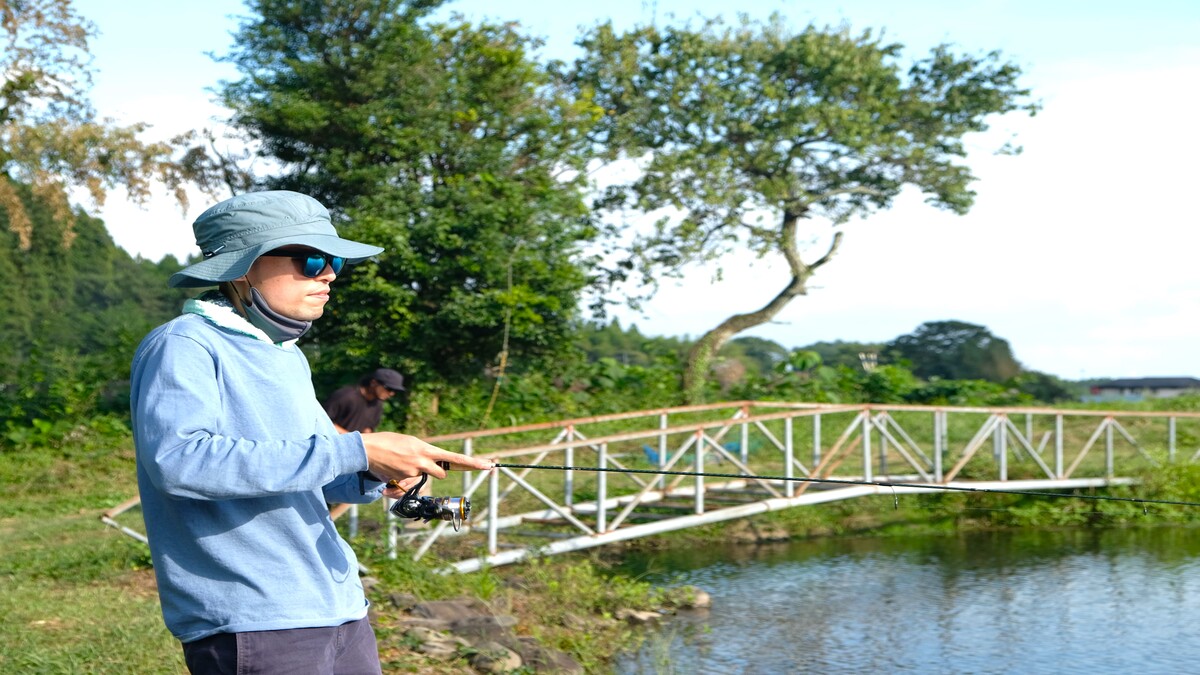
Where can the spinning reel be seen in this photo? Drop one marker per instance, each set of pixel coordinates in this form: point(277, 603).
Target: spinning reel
point(457, 510)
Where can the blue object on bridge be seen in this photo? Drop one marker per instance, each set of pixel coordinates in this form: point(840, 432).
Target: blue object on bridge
point(715, 457)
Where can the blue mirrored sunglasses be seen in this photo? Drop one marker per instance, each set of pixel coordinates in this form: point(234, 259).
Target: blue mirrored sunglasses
point(312, 263)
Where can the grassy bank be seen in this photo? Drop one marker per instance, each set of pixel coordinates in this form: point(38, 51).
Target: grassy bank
point(80, 597)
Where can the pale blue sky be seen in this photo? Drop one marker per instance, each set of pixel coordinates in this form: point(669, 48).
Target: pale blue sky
point(1081, 252)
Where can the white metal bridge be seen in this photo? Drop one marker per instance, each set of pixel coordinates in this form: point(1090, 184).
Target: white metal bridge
point(769, 451)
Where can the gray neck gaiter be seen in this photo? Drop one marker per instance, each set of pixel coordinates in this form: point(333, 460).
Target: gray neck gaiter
point(277, 326)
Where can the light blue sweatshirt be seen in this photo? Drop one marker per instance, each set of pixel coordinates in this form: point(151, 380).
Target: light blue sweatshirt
point(235, 463)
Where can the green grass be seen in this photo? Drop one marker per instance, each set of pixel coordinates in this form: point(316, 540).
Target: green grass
point(79, 596)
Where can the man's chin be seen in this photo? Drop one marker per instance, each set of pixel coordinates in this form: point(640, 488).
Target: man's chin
point(313, 311)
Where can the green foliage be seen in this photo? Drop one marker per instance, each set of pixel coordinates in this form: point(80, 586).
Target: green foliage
point(955, 350)
point(89, 466)
point(967, 392)
point(849, 354)
point(580, 390)
point(626, 346)
point(757, 354)
point(805, 378)
point(449, 146)
point(75, 315)
point(889, 383)
point(1045, 387)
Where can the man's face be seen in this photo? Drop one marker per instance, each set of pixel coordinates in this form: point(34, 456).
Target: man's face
point(286, 290)
point(381, 392)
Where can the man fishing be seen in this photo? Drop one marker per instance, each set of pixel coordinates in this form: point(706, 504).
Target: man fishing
point(236, 459)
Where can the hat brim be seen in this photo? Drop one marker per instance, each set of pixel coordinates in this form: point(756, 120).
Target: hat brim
point(230, 265)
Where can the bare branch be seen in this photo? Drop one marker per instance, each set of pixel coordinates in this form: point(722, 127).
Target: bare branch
point(833, 247)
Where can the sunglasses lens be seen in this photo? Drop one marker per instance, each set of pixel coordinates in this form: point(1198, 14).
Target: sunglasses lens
point(314, 265)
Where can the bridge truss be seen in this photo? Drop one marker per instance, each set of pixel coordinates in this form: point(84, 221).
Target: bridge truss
point(766, 453)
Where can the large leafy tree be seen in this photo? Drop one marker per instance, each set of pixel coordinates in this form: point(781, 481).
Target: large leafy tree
point(444, 143)
point(955, 350)
point(50, 136)
point(745, 131)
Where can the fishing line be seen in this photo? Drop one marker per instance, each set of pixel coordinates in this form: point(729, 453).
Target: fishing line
point(849, 481)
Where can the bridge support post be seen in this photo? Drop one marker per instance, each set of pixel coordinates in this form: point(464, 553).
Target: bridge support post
point(881, 421)
point(816, 440)
point(662, 450)
point(1108, 449)
point(1002, 446)
point(1171, 439)
point(568, 475)
point(789, 487)
point(602, 491)
point(493, 507)
point(1058, 445)
point(939, 419)
point(746, 441)
point(866, 444)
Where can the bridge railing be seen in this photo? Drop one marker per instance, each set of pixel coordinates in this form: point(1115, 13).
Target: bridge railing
point(754, 456)
point(764, 449)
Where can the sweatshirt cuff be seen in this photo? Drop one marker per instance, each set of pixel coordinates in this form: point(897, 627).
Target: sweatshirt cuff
point(367, 482)
point(361, 463)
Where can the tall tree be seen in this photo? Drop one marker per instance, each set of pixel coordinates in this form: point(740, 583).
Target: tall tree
point(50, 136)
point(955, 350)
point(444, 143)
point(729, 123)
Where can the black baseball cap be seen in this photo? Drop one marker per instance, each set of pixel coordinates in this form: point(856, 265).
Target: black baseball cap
point(389, 378)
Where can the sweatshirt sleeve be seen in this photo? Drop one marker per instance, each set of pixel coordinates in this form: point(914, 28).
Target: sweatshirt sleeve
point(349, 490)
point(179, 416)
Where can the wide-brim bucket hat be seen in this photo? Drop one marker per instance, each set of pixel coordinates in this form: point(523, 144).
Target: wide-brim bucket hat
point(234, 233)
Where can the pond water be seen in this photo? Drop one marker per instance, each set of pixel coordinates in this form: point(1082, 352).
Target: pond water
point(1095, 601)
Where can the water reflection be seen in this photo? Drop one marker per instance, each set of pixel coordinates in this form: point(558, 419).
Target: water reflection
point(1104, 601)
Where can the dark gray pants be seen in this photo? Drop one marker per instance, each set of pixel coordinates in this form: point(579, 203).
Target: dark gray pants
point(348, 649)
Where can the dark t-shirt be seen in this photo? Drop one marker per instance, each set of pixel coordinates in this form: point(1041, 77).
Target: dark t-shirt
point(351, 411)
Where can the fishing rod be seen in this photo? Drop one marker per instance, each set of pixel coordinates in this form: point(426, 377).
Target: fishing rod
point(849, 481)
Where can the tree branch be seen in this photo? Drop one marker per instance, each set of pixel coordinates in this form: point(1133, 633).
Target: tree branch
point(833, 247)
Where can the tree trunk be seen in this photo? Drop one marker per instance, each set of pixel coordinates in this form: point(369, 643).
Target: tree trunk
point(700, 358)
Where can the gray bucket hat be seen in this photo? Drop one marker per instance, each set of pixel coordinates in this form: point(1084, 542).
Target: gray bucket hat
point(235, 232)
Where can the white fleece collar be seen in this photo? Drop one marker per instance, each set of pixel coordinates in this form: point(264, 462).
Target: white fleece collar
point(219, 311)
